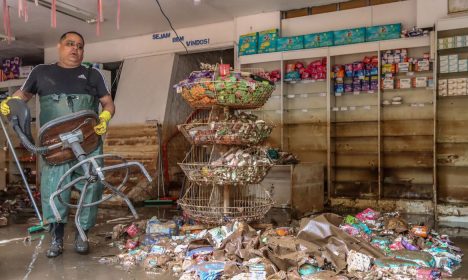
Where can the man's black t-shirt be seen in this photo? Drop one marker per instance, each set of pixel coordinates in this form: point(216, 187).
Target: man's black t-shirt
point(47, 79)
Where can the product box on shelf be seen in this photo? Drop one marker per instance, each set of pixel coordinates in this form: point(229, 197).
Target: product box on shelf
point(317, 40)
point(248, 43)
point(290, 43)
point(459, 41)
point(462, 65)
point(267, 41)
point(420, 82)
point(388, 83)
point(24, 71)
point(422, 65)
point(404, 83)
point(383, 32)
point(349, 36)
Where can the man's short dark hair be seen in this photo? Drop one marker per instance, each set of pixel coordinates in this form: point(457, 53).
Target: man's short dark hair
point(71, 32)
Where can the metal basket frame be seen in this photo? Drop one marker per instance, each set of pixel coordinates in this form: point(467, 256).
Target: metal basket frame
point(198, 168)
point(245, 135)
point(217, 98)
point(207, 204)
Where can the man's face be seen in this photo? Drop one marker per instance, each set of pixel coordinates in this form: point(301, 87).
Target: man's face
point(71, 51)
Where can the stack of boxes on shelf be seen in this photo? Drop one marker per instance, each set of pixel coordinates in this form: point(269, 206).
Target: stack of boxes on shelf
point(360, 76)
point(452, 64)
point(453, 42)
point(269, 40)
point(397, 61)
point(453, 87)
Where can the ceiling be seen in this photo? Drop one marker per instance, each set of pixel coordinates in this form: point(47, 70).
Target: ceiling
point(137, 17)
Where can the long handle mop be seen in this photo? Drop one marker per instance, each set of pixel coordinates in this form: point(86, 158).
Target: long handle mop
point(35, 228)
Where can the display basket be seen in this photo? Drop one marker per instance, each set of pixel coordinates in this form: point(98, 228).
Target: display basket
point(236, 94)
point(216, 204)
point(226, 133)
point(199, 167)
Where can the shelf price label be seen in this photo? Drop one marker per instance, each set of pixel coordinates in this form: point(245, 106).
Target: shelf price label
point(323, 94)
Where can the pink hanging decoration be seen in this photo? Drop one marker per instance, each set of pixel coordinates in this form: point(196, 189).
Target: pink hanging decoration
point(99, 18)
point(20, 8)
point(6, 21)
point(25, 10)
point(53, 15)
point(118, 15)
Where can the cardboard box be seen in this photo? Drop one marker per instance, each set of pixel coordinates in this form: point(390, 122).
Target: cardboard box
point(388, 83)
point(267, 41)
point(24, 71)
point(383, 32)
point(248, 43)
point(453, 68)
point(290, 43)
point(453, 57)
point(444, 69)
point(349, 36)
point(317, 40)
point(403, 67)
point(420, 82)
point(405, 83)
point(463, 65)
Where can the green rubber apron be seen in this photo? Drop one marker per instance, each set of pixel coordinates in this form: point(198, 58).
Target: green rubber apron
point(52, 107)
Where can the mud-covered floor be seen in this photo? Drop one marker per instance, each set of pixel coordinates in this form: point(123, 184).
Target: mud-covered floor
point(20, 260)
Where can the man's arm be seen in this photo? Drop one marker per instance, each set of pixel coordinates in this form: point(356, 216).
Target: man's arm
point(107, 104)
point(26, 96)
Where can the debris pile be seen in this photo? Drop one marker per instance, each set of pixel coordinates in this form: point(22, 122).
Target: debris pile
point(366, 246)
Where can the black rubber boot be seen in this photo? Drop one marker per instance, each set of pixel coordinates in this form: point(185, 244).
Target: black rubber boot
point(81, 246)
point(56, 244)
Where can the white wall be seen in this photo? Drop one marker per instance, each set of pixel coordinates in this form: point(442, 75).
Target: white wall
point(143, 89)
point(257, 22)
point(117, 50)
point(428, 11)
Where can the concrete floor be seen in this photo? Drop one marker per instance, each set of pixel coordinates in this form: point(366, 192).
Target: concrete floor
point(19, 260)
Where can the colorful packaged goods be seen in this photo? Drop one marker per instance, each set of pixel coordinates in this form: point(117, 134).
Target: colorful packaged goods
point(267, 41)
point(349, 36)
point(383, 32)
point(238, 90)
point(290, 43)
point(248, 43)
point(317, 40)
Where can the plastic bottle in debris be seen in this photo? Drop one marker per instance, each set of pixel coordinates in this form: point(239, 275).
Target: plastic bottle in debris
point(257, 272)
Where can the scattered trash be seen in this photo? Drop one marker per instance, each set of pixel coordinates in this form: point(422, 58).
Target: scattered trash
point(370, 245)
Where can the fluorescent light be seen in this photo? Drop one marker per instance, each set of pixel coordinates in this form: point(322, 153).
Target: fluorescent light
point(69, 10)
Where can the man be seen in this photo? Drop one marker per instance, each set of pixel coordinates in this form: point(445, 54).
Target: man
point(63, 88)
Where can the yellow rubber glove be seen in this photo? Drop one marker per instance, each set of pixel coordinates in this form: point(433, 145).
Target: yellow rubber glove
point(104, 118)
point(4, 108)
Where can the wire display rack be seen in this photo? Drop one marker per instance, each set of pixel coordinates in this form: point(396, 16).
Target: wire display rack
point(215, 204)
point(236, 94)
point(224, 181)
point(226, 133)
point(201, 167)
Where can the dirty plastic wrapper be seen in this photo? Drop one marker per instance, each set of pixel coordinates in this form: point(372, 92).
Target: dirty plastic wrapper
point(323, 232)
point(241, 242)
point(208, 270)
point(397, 224)
point(420, 257)
point(358, 261)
